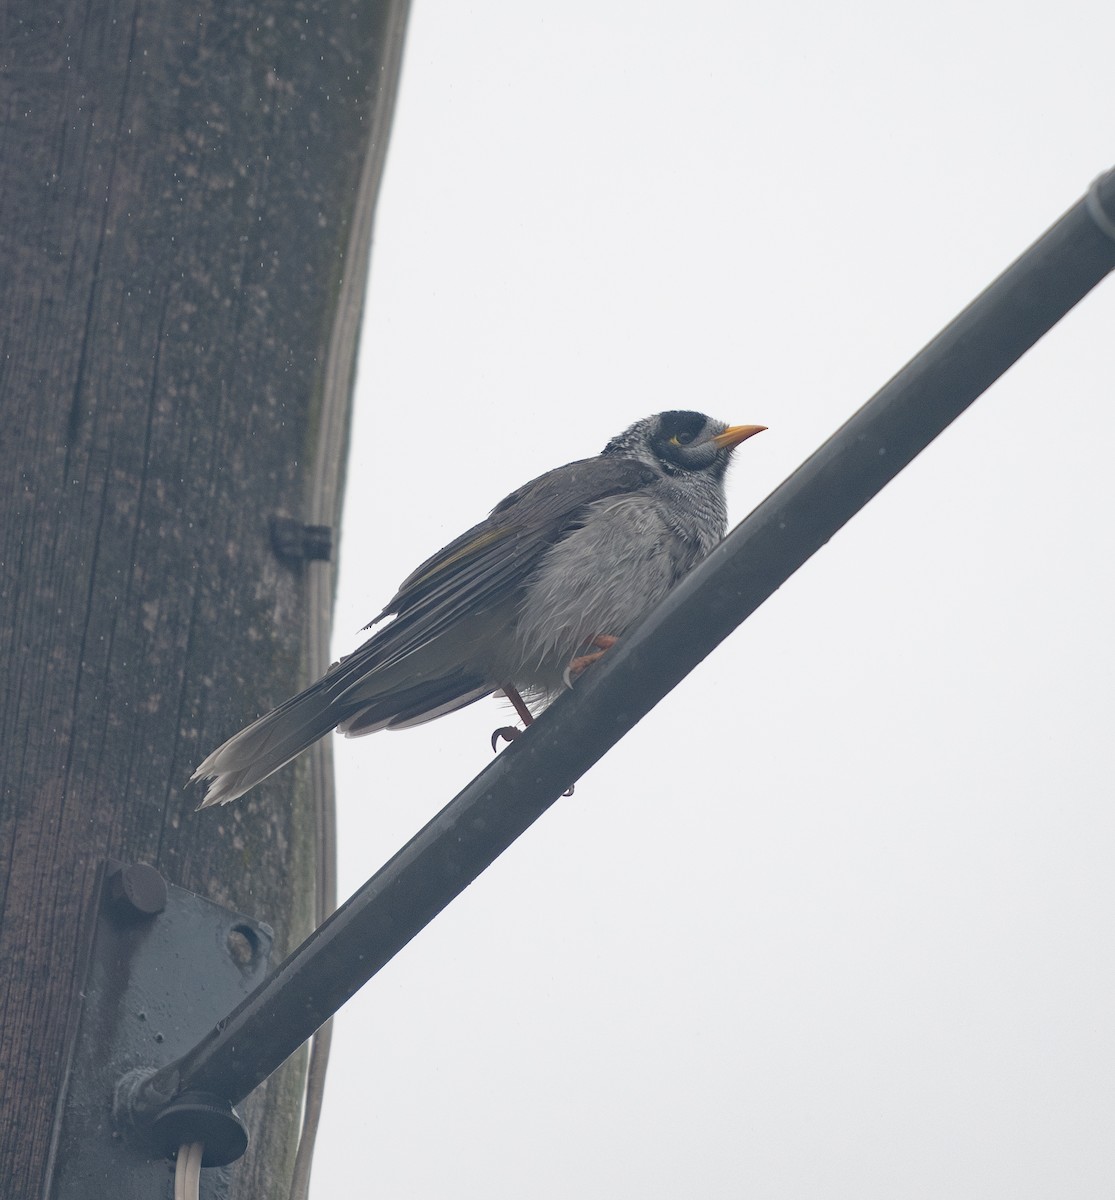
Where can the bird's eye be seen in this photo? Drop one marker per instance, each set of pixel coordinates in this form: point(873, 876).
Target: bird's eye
point(681, 439)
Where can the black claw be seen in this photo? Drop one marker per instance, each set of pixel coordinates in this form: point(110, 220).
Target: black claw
point(508, 732)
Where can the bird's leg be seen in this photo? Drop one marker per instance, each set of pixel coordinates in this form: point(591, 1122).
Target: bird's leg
point(509, 732)
point(602, 642)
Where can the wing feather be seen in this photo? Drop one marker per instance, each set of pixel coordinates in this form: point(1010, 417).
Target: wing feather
point(488, 562)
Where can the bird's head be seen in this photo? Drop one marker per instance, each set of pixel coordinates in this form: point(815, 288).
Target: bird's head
point(681, 442)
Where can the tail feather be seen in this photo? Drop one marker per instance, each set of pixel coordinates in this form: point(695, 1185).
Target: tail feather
point(417, 667)
point(415, 706)
point(270, 742)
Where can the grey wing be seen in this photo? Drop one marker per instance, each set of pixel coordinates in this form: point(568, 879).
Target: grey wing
point(488, 563)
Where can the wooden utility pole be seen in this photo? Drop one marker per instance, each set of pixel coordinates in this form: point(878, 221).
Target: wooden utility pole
point(185, 204)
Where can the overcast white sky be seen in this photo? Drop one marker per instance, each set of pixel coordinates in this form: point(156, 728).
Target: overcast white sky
point(836, 919)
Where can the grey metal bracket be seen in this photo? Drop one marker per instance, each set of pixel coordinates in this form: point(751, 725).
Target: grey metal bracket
point(161, 967)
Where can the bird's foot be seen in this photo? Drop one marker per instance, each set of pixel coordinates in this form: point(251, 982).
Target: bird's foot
point(510, 732)
point(603, 642)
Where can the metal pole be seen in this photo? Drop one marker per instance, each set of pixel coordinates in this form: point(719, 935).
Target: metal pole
point(993, 332)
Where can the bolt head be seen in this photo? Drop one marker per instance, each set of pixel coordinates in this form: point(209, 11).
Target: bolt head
point(137, 891)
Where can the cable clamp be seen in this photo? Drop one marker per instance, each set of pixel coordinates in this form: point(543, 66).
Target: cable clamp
point(292, 540)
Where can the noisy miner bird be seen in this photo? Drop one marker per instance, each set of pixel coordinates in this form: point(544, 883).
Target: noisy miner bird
point(522, 602)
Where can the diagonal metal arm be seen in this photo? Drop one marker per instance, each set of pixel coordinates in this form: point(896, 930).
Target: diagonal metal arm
point(993, 332)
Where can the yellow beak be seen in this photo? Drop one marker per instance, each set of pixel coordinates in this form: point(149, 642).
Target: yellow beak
point(734, 434)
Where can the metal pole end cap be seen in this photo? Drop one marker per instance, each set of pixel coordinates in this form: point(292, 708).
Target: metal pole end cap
point(201, 1117)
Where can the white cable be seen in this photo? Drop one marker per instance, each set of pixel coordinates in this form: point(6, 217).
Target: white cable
point(337, 386)
point(187, 1171)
